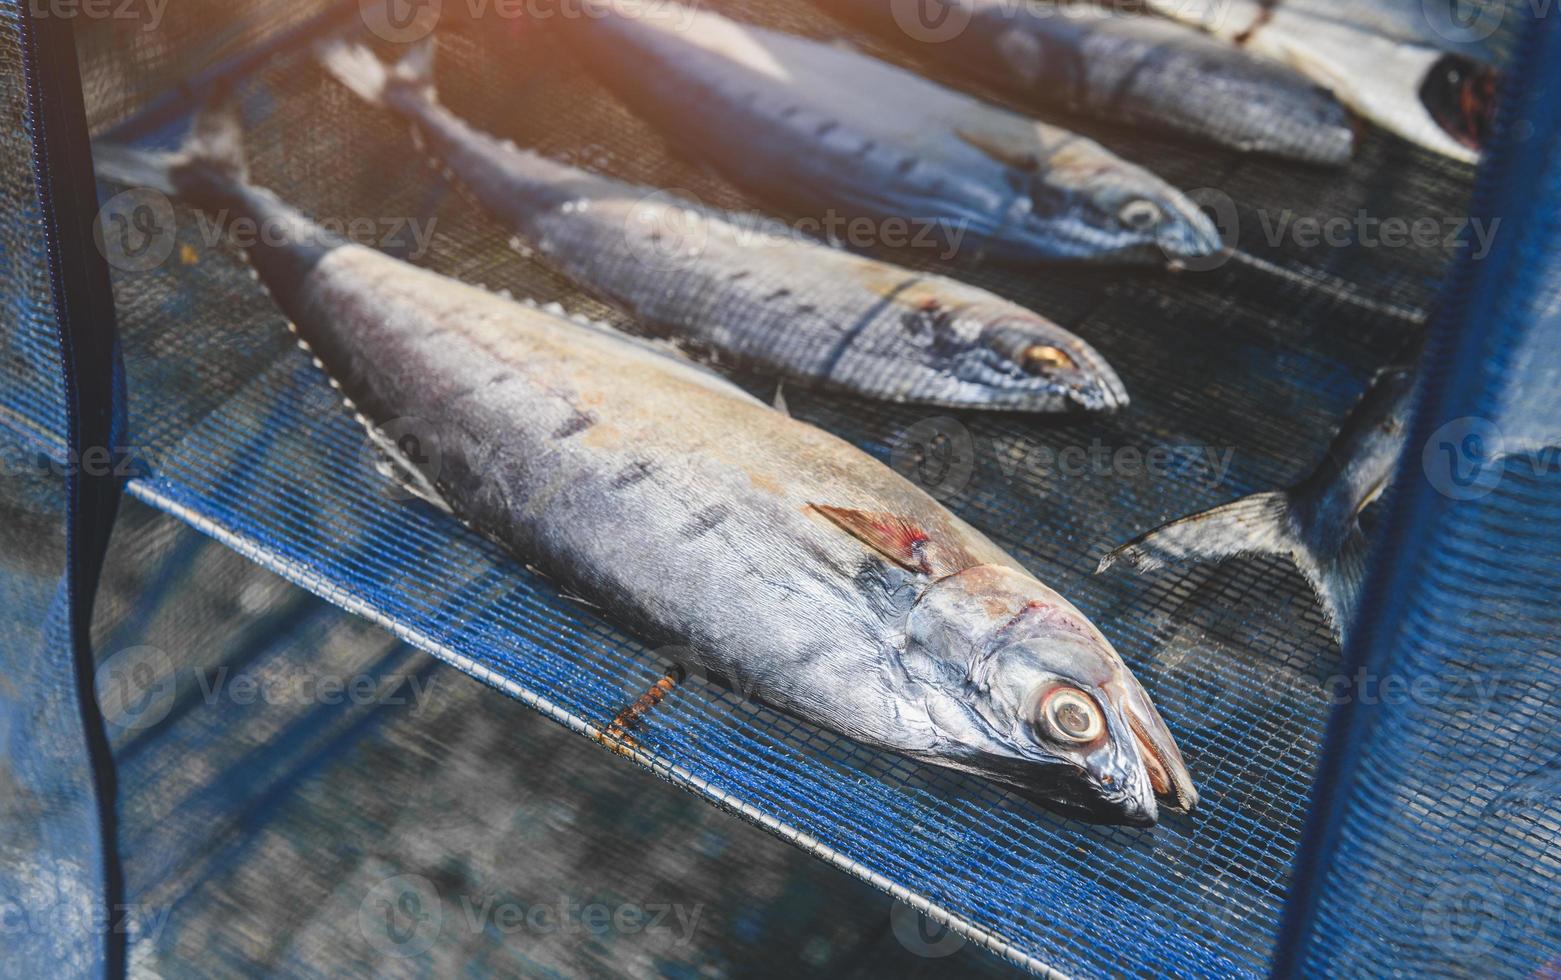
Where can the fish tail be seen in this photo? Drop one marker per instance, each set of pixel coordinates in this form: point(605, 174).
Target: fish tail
point(1276, 522)
point(361, 71)
point(205, 171)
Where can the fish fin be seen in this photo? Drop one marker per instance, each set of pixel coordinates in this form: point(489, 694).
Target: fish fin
point(132, 167)
point(394, 466)
point(899, 540)
point(355, 66)
point(1268, 523)
point(206, 168)
point(1257, 524)
point(216, 139)
point(1011, 148)
point(416, 67)
point(361, 71)
point(1338, 579)
point(779, 404)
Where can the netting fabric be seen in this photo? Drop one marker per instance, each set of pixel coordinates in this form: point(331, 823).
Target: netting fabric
point(1240, 374)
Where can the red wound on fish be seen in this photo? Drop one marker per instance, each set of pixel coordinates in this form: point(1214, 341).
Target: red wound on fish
point(898, 539)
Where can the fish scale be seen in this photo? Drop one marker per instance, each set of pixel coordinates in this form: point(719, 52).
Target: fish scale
point(771, 553)
point(747, 287)
point(1016, 190)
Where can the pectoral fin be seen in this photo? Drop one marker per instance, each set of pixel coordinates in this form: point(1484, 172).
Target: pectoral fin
point(1010, 147)
point(899, 540)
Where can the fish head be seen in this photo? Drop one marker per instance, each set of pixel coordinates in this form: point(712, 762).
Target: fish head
point(1107, 208)
point(993, 354)
point(1044, 703)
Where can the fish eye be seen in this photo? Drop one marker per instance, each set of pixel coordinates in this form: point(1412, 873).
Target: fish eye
point(1070, 715)
point(1043, 359)
point(1140, 214)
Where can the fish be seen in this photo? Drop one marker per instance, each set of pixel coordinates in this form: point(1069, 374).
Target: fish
point(748, 288)
point(1471, 30)
point(1145, 72)
point(808, 127)
point(775, 555)
point(1441, 100)
point(1316, 522)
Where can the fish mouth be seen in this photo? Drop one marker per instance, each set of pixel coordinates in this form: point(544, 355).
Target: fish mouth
point(1168, 775)
point(1081, 801)
point(1106, 395)
point(1189, 233)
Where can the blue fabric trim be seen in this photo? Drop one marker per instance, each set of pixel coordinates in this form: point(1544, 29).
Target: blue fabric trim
point(94, 400)
point(1486, 319)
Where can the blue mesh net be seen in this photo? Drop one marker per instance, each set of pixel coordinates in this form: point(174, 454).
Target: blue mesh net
point(1240, 374)
point(51, 883)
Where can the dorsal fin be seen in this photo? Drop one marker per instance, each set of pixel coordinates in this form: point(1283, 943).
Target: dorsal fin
point(1011, 148)
point(900, 540)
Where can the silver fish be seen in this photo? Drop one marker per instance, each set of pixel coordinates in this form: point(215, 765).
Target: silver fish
point(1468, 29)
point(1315, 523)
point(747, 287)
point(782, 558)
point(1145, 72)
point(810, 127)
point(1442, 101)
